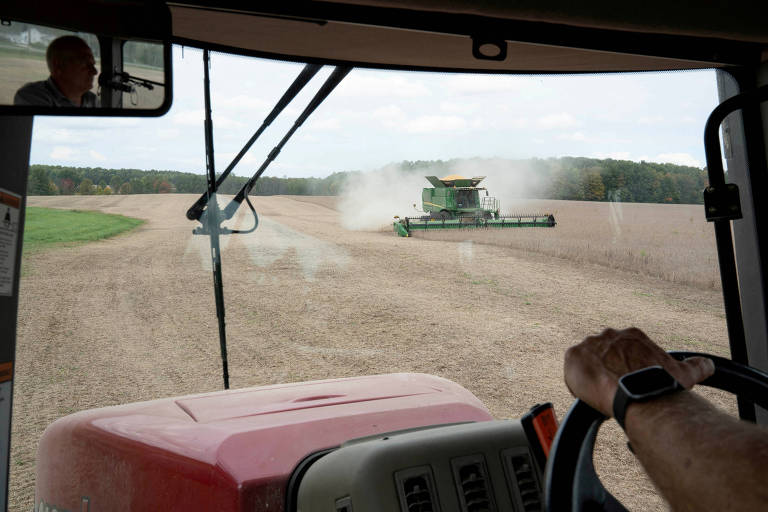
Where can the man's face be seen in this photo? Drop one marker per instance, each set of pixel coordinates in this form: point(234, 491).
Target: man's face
point(76, 70)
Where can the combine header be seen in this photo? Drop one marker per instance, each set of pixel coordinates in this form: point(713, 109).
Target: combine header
point(454, 202)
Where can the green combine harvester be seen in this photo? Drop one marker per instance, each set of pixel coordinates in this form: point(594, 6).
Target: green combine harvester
point(455, 202)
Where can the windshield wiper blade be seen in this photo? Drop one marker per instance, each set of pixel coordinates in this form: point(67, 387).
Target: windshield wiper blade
point(309, 71)
point(330, 84)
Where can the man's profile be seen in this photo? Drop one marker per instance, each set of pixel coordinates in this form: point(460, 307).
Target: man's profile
point(72, 69)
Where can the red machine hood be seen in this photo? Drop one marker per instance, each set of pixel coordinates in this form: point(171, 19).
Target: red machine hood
point(229, 450)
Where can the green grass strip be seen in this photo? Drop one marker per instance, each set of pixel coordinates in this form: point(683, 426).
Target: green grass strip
point(47, 227)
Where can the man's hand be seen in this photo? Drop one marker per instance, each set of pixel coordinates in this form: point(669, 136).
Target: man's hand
point(699, 457)
point(594, 366)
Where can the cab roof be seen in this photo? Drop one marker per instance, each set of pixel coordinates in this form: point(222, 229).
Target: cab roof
point(454, 181)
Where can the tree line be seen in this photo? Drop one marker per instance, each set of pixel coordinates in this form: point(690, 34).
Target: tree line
point(570, 178)
point(586, 179)
point(590, 179)
point(61, 180)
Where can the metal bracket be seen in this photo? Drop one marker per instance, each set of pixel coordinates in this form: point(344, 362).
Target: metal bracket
point(722, 203)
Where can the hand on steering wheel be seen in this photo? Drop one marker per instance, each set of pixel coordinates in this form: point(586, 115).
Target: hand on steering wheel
point(594, 366)
point(571, 481)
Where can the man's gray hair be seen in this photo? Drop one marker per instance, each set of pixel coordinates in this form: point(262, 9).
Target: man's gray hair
point(62, 48)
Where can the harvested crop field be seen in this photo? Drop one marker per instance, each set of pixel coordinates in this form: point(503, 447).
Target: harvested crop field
point(672, 242)
point(132, 318)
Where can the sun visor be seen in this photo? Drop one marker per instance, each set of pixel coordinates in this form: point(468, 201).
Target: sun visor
point(398, 39)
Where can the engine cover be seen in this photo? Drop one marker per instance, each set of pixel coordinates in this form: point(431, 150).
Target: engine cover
point(229, 450)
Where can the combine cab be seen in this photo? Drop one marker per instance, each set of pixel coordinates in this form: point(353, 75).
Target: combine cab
point(455, 202)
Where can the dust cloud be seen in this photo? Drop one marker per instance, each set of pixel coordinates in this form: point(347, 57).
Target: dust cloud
point(509, 181)
point(369, 200)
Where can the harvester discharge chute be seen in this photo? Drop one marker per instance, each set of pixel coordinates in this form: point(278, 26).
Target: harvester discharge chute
point(455, 202)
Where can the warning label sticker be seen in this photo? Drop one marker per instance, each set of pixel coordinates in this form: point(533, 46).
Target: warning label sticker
point(10, 206)
point(6, 371)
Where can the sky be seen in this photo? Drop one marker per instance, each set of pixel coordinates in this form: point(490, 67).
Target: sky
point(375, 118)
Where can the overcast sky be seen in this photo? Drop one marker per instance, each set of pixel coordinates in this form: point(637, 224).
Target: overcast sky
point(377, 117)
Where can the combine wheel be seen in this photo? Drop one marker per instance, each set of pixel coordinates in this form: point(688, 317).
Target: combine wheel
point(441, 215)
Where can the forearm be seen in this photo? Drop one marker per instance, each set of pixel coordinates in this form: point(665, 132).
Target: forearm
point(698, 457)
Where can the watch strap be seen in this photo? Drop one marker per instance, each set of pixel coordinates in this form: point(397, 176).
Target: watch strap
point(620, 403)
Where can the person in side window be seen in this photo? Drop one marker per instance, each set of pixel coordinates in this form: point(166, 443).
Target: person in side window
point(71, 64)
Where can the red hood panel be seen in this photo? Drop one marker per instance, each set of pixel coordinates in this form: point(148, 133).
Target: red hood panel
point(275, 399)
point(228, 450)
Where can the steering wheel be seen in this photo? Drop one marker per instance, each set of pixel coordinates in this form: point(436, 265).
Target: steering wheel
point(571, 481)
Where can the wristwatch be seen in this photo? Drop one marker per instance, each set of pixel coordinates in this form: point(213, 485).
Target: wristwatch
point(641, 386)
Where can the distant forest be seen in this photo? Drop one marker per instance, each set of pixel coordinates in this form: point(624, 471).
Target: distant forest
point(587, 179)
point(59, 180)
point(570, 178)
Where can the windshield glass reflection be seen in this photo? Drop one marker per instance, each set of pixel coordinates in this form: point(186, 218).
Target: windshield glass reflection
point(325, 287)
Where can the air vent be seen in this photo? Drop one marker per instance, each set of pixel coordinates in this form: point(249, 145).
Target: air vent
point(473, 485)
point(416, 489)
point(523, 474)
point(344, 504)
point(418, 497)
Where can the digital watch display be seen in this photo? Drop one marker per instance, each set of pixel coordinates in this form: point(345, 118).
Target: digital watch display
point(641, 386)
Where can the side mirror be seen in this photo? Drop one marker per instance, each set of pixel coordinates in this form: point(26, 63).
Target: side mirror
point(89, 59)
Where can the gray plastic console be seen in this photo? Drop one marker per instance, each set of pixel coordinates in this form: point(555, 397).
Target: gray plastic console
point(484, 466)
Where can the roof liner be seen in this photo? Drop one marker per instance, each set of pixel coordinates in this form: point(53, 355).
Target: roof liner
point(737, 21)
point(450, 36)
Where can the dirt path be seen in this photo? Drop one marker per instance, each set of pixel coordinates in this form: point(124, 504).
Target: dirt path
point(133, 318)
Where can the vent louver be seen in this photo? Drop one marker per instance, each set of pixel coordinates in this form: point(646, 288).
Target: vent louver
point(417, 496)
point(527, 483)
point(473, 485)
point(344, 504)
point(416, 490)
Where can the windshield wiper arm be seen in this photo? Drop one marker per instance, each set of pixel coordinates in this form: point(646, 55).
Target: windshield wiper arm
point(330, 84)
point(309, 71)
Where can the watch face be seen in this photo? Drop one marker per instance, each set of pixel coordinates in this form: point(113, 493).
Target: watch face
point(648, 382)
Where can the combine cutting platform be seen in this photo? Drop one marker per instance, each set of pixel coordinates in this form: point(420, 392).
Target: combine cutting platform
point(455, 203)
point(405, 226)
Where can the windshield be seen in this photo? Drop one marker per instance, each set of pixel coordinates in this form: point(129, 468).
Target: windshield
point(325, 287)
point(466, 199)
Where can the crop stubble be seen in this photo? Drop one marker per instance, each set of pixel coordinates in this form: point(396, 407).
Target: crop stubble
point(672, 242)
point(132, 318)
